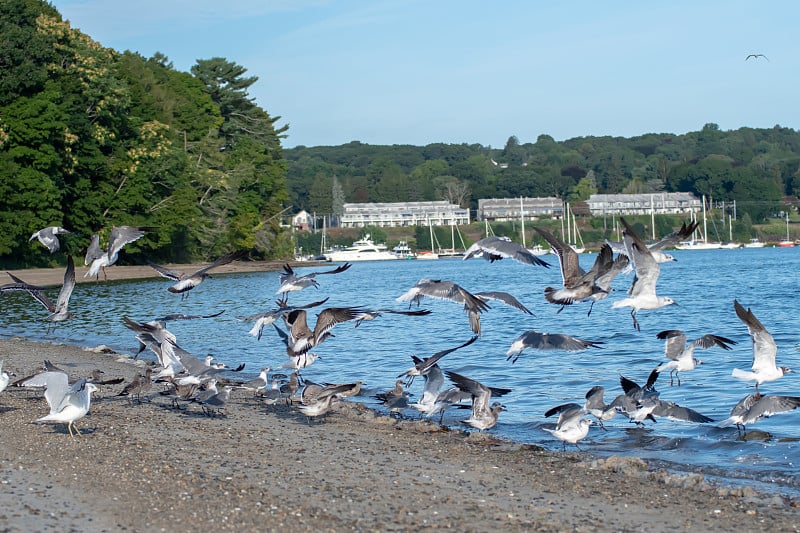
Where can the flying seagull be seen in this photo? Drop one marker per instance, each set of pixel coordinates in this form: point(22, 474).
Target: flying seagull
point(187, 282)
point(49, 237)
point(290, 281)
point(642, 294)
point(681, 355)
point(756, 56)
point(484, 416)
point(58, 311)
point(572, 426)
point(120, 236)
point(764, 368)
point(547, 341)
point(447, 290)
point(496, 248)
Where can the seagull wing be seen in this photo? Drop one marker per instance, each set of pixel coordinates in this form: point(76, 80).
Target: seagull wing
point(504, 297)
point(571, 270)
point(764, 348)
point(675, 237)
point(66, 289)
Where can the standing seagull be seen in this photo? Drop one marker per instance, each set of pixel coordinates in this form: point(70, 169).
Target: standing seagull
point(484, 416)
point(547, 341)
point(120, 236)
point(292, 282)
point(187, 282)
point(578, 284)
point(49, 237)
point(5, 377)
point(68, 403)
point(58, 311)
point(681, 355)
point(496, 248)
point(642, 294)
point(572, 426)
point(764, 351)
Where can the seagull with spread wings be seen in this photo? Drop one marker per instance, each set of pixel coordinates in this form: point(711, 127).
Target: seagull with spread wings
point(496, 248)
point(765, 350)
point(49, 237)
point(187, 282)
point(681, 354)
point(99, 259)
point(290, 281)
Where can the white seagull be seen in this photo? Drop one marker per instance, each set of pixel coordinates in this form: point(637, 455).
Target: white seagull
point(49, 237)
point(447, 290)
point(68, 403)
point(572, 426)
point(764, 368)
point(754, 407)
point(59, 311)
point(120, 236)
point(642, 294)
point(681, 355)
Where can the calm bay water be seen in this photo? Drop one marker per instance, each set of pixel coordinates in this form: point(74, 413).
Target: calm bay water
point(704, 283)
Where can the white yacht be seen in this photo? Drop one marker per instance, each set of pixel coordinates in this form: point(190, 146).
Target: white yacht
point(361, 250)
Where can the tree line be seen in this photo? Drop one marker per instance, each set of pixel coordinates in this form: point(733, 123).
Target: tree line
point(92, 138)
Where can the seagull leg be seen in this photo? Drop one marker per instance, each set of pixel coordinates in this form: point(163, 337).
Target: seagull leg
point(590, 309)
point(635, 322)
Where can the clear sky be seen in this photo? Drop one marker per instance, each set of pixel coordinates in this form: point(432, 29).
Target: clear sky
point(472, 71)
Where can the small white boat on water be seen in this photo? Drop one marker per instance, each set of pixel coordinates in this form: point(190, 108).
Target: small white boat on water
point(403, 251)
point(361, 250)
point(755, 243)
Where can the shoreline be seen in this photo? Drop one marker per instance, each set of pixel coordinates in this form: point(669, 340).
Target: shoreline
point(147, 466)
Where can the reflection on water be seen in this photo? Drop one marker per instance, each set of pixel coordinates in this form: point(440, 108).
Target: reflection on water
point(704, 283)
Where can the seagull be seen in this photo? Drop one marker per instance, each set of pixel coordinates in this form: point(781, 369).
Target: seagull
point(49, 237)
point(606, 272)
point(321, 403)
point(572, 426)
point(578, 284)
point(547, 341)
point(5, 377)
point(484, 416)
point(754, 407)
point(597, 407)
point(497, 248)
point(764, 368)
point(59, 311)
point(292, 282)
point(187, 282)
point(302, 339)
point(372, 314)
point(68, 403)
point(447, 290)
point(423, 366)
point(256, 384)
point(120, 236)
point(683, 233)
point(505, 298)
point(756, 56)
point(215, 404)
point(681, 355)
point(643, 403)
point(642, 294)
point(268, 317)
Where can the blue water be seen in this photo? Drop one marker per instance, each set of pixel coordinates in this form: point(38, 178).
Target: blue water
point(704, 283)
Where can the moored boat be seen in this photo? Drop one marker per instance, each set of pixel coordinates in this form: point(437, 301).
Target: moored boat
point(361, 250)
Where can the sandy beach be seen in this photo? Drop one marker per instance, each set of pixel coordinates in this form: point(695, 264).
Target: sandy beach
point(149, 467)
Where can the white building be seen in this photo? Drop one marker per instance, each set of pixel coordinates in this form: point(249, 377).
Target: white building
point(661, 203)
point(503, 209)
point(437, 213)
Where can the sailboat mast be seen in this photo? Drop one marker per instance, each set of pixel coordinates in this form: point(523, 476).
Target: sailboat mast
point(705, 223)
point(653, 217)
point(522, 220)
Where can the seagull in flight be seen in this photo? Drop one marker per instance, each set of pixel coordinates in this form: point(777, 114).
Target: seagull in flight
point(578, 284)
point(754, 407)
point(497, 248)
point(187, 282)
point(447, 290)
point(290, 281)
point(683, 233)
point(764, 368)
point(423, 366)
point(547, 341)
point(642, 294)
point(484, 416)
point(681, 355)
point(49, 237)
point(756, 56)
point(97, 258)
point(59, 311)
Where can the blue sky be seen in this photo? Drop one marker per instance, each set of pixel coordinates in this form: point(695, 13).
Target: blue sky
point(463, 71)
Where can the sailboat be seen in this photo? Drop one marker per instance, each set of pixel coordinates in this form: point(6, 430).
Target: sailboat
point(432, 253)
point(730, 245)
point(699, 244)
point(453, 252)
point(573, 235)
point(786, 243)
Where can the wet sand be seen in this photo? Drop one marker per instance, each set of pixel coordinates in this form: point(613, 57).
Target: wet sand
point(149, 467)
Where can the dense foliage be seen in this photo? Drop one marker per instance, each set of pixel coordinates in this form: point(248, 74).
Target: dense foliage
point(91, 138)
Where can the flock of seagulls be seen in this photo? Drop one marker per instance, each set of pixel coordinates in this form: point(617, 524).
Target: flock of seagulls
point(190, 379)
